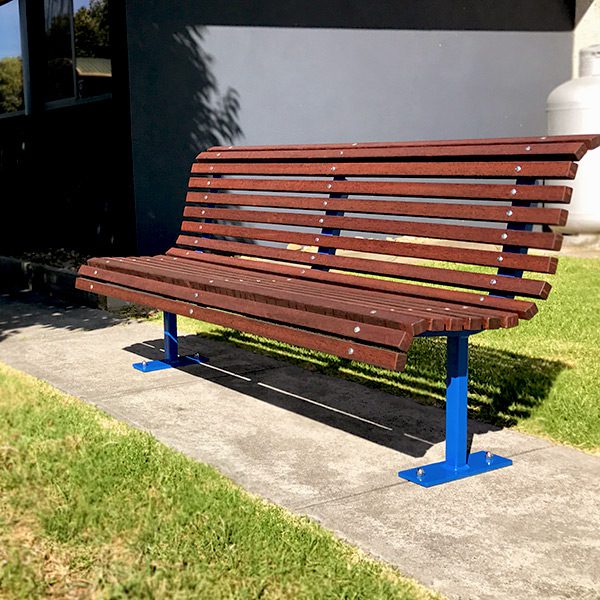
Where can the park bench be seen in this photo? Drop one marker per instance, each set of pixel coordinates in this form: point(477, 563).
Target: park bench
point(356, 249)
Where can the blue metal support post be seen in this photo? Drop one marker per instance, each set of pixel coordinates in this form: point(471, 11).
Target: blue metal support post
point(172, 358)
point(458, 463)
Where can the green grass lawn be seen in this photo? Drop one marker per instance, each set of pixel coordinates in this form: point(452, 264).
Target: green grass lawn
point(91, 508)
point(542, 377)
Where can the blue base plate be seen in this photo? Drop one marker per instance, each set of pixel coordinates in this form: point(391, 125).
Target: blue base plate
point(436, 473)
point(159, 365)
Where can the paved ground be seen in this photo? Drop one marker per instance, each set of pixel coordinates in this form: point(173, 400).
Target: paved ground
point(330, 449)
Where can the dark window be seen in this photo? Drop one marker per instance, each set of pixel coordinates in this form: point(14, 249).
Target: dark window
point(11, 63)
point(60, 80)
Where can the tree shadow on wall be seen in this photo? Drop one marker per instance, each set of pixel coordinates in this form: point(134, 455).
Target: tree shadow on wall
point(215, 118)
point(178, 110)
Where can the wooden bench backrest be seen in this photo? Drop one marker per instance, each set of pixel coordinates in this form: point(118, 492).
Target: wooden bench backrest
point(474, 203)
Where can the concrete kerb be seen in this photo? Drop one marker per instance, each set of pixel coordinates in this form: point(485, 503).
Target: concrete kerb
point(330, 449)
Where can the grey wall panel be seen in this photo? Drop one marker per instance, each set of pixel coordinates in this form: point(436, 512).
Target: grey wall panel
point(319, 85)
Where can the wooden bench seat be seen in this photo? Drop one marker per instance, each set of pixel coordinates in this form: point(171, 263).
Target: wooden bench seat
point(356, 249)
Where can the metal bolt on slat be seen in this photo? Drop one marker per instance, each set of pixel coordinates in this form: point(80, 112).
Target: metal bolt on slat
point(350, 350)
point(320, 220)
point(493, 281)
point(329, 186)
point(504, 236)
point(191, 311)
point(373, 312)
point(509, 213)
point(513, 192)
point(528, 148)
point(356, 329)
point(518, 168)
point(500, 258)
point(325, 203)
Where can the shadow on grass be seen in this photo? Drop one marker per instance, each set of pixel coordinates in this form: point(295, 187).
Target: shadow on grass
point(504, 386)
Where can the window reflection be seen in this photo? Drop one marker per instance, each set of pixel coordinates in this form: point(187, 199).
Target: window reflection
point(11, 64)
point(92, 47)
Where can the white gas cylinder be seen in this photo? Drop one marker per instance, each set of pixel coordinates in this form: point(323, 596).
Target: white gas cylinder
point(572, 108)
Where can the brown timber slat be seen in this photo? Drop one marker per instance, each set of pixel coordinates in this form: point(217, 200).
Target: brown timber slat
point(545, 169)
point(565, 150)
point(471, 317)
point(469, 212)
point(511, 260)
point(464, 279)
point(370, 333)
point(471, 191)
point(524, 308)
point(488, 235)
point(342, 308)
point(338, 347)
point(591, 141)
point(438, 316)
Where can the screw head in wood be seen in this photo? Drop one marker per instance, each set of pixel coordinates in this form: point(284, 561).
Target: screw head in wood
point(356, 329)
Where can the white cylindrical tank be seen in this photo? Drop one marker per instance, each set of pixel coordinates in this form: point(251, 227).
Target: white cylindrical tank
point(572, 108)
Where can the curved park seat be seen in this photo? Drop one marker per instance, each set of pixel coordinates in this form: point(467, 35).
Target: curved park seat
point(356, 249)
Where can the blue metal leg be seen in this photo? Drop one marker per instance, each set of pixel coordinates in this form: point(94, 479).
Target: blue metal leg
point(172, 358)
point(458, 463)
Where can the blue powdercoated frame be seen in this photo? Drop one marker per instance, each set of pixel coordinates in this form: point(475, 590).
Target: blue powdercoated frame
point(458, 463)
point(172, 358)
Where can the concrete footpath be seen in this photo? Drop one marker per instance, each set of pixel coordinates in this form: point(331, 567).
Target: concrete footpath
point(330, 449)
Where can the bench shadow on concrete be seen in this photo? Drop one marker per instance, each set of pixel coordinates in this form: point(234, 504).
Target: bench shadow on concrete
point(504, 386)
point(20, 310)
